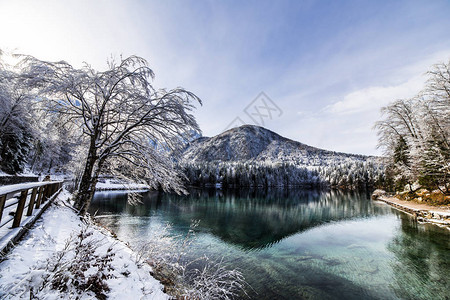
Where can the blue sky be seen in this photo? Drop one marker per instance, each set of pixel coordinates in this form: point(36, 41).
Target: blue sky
point(328, 65)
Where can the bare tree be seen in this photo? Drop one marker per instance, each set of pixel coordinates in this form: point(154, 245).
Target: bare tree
point(435, 165)
point(399, 134)
point(128, 126)
point(415, 133)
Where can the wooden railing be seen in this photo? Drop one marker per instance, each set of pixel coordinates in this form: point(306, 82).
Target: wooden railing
point(14, 199)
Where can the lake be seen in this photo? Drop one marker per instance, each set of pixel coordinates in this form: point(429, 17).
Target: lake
point(297, 244)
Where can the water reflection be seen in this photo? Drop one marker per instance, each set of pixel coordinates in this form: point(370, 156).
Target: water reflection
point(422, 260)
point(296, 244)
point(251, 219)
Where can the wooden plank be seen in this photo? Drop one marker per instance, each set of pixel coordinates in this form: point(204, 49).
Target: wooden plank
point(31, 204)
point(8, 189)
point(19, 210)
point(52, 190)
point(2, 205)
point(47, 190)
point(39, 200)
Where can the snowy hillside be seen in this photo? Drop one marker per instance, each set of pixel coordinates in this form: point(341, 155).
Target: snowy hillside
point(254, 156)
point(254, 143)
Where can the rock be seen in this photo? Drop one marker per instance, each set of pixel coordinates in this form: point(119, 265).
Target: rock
point(378, 193)
point(415, 186)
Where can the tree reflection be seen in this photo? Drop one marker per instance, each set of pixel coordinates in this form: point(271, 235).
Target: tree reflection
point(422, 260)
point(249, 218)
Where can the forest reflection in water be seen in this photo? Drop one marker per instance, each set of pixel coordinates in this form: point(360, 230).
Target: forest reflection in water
point(248, 218)
point(296, 244)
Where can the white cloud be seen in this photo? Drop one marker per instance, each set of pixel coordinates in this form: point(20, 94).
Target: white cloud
point(346, 124)
point(403, 82)
point(375, 97)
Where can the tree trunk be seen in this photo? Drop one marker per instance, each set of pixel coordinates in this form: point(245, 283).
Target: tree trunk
point(91, 191)
point(88, 181)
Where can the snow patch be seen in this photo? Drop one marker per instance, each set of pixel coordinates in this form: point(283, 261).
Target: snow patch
point(23, 266)
point(113, 185)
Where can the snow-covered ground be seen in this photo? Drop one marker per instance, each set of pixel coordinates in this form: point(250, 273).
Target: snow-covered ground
point(117, 185)
point(26, 268)
point(3, 173)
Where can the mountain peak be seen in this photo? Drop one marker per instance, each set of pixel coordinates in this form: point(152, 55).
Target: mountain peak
point(255, 156)
point(247, 142)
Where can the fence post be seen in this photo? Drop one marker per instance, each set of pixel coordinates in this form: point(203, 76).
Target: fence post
point(2, 204)
point(39, 200)
point(47, 191)
point(31, 204)
point(20, 207)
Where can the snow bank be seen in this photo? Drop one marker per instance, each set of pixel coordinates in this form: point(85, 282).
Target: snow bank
point(4, 174)
point(111, 185)
point(24, 265)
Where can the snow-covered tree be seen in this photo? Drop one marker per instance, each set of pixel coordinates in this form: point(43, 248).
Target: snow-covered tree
point(351, 175)
point(127, 126)
point(54, 145)
point(415, 133)
point(16, 135)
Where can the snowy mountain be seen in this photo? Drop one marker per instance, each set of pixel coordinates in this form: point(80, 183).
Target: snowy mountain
point(255, 156)
point(257, 144)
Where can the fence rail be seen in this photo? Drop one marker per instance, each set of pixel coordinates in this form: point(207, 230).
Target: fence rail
point(14, 199)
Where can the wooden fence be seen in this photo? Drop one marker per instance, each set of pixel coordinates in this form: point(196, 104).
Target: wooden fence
point(7, 179)
point(15, 200)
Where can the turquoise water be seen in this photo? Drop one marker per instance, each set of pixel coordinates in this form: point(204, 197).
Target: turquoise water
point(298, 244)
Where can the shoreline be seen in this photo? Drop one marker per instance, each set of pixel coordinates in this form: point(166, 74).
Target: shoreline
point(422, 212)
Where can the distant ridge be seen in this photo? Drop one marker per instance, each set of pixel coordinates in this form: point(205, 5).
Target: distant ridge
point(258, 144)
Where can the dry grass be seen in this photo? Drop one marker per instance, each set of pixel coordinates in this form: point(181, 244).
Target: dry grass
point(436, 197)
